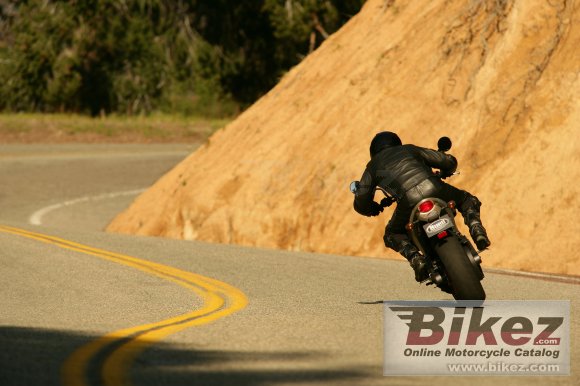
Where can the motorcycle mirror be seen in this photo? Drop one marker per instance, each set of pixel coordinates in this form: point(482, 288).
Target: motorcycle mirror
point(354, 186)
point(444, 144)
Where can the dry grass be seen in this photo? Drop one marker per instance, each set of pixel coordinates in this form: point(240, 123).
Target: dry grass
point(62, 128)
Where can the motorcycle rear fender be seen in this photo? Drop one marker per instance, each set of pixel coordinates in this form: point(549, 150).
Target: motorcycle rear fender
point(439, 209)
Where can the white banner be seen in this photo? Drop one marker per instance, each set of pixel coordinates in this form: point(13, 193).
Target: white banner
point(471, 338)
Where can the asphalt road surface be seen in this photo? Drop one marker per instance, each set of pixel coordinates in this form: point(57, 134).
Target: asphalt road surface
point(83, 307)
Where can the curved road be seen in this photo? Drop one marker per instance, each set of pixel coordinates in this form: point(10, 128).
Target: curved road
point(82, 307)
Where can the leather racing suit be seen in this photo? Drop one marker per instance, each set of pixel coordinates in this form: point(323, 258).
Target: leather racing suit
point(405, 172)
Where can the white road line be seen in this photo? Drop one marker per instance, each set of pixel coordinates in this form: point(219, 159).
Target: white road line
point(504, 271)
point(548, 276)
point(36, 217)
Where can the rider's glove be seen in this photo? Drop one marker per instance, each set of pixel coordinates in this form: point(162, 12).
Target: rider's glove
point(376, 209)
point(387, 201)
point(443, 174)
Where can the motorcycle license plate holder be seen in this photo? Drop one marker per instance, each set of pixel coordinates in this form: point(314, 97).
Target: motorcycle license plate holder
point(437, 226)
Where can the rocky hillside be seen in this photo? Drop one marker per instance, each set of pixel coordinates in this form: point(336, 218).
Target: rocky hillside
point(500, 77)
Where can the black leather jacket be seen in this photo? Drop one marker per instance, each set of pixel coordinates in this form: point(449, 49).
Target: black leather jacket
point(398, 169)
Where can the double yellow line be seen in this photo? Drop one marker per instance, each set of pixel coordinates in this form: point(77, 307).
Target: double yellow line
point(219, 299)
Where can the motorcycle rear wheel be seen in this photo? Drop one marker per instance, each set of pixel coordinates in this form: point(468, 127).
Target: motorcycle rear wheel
point(464, 281)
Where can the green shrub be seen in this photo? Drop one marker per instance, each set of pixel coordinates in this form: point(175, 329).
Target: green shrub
point(138, 56)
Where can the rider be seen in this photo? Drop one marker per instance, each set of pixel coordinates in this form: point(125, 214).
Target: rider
point(404, 171)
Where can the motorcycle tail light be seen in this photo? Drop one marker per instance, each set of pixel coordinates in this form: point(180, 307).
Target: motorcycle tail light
point(442, 234)
point(426, 206)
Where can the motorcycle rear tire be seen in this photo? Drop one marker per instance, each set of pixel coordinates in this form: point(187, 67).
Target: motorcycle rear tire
point(464, 281)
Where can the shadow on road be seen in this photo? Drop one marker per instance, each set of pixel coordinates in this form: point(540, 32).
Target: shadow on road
point(32, 356)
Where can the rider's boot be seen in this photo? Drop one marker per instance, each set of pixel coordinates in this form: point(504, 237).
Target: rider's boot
point(479, 236)
point(417, 261)
point(477, 231)
point(470, 212)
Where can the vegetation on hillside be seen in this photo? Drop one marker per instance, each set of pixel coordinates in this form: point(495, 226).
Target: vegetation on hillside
point(138, 56)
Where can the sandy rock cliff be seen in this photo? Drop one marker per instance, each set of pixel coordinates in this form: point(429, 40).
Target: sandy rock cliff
point(500, 77)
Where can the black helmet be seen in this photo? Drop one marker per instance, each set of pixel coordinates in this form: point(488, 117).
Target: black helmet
point(382, 140)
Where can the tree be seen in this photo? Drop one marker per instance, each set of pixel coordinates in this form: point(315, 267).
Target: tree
point(135, 56)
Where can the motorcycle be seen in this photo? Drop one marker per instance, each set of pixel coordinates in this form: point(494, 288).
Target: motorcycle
point(453, 263)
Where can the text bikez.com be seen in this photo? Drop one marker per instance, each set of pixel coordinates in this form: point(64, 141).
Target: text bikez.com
point(423, 336)
point(515, 331)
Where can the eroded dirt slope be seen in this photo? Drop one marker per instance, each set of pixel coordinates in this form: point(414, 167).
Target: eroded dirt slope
point(499, 77)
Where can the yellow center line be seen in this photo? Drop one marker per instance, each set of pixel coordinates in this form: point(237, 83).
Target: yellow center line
point(219, 300)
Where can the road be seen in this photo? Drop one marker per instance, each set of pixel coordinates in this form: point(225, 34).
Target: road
point(84, 307)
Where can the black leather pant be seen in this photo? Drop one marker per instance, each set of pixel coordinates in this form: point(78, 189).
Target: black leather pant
point(395, 234)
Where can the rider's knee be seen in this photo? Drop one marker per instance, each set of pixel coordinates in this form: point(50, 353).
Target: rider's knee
point(393, 240)
point(388, 238)
point(470, 204)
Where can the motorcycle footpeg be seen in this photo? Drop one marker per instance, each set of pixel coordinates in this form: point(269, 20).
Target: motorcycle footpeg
point(435, 278)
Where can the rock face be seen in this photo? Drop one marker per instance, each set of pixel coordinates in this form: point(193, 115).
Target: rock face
point(500, 77)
